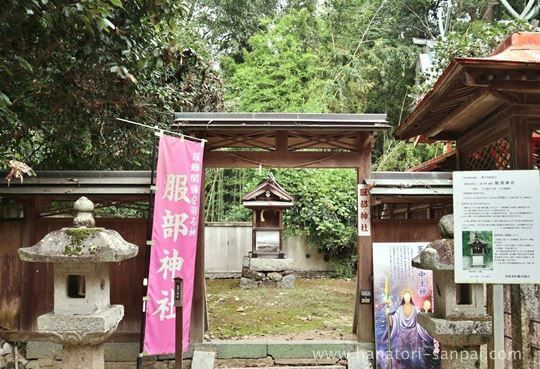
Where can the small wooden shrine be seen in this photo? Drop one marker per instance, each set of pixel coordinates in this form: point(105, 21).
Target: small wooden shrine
point(478, 249)
point(268, 200)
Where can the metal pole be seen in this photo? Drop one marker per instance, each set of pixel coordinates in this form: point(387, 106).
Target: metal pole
point(178, 303)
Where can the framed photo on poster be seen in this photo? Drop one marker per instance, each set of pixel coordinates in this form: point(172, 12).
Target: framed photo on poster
point(401, 292)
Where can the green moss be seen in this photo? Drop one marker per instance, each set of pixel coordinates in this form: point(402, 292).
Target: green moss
point(76, 239)
point(321, 307)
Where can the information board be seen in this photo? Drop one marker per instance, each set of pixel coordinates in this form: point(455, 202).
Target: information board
point(497, 226)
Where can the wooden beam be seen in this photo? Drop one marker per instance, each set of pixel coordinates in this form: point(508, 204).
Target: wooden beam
point(527, 110)
point(387, 199)
point(303, 159)
point(478, 136)
point(507, 83)
point(472, 109)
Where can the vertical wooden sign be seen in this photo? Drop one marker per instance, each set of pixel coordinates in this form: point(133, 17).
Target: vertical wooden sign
point(364, 212)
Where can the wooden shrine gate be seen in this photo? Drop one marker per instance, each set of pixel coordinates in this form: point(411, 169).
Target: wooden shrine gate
point(283, 140)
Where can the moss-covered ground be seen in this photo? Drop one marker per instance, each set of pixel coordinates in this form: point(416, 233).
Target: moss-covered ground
point(316, 308)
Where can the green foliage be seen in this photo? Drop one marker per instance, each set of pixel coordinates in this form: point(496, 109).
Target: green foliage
point(281, 71)
point(476, 39)
point(346, 56)
point(487, 237)
point(225, 189)
point(345, 268)
point(68, 69)
point(401, 155)
point(227, 25)
point(370, 62)
point(325, 208)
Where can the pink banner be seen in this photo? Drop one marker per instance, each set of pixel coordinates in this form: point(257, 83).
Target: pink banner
point(174, 241)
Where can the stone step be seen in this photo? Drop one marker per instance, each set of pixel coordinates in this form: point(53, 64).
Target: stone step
point(295, 367)
point(203, 359)
point(225, 349)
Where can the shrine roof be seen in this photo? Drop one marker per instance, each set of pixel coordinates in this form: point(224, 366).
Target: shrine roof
point(472, 89)
point(279, 121)
point(263, 131)
point(393, 186)
point(268, 192)
point(80, 182)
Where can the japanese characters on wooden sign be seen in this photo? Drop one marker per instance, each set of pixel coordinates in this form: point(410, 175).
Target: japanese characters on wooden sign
point(174, 241)
point(364, 211)
point(497, 226)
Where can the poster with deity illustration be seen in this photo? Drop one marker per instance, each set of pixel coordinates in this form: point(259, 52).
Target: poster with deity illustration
point(400, 293)
point(174, 241)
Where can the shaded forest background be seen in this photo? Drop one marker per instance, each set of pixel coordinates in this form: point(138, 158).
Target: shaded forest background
point(69, 68)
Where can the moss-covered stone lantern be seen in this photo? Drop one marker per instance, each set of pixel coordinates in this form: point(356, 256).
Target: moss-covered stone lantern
point(82, 317)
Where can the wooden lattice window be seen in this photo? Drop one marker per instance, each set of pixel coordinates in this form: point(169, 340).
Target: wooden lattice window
point(493, 156)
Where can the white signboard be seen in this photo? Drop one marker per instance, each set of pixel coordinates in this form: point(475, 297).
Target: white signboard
point(364, 213)
point(497, 226)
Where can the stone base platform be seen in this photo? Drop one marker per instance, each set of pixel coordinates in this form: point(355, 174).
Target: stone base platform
point(81, 329)
point(252, 279)
point(457, 333)
point(267, 272)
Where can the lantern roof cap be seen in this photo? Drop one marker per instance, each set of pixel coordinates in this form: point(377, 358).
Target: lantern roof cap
point(82, 243)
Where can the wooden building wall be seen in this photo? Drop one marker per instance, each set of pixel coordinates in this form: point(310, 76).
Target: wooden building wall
point(405, 230)
point(26, 289)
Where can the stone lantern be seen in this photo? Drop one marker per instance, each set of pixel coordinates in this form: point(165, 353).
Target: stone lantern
point(459, 321)
point(83, 317)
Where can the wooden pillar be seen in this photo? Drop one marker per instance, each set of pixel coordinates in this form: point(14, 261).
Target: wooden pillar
point(35, 277)
point(282, 141)
point(520, 143)
point(198, 309)
point(525, 297)
point(364, 321)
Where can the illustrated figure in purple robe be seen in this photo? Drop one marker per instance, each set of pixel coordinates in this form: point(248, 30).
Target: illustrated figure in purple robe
point(410, 346)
